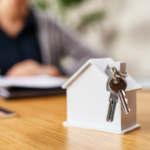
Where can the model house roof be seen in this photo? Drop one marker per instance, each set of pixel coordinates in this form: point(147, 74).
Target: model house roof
point(101, 65)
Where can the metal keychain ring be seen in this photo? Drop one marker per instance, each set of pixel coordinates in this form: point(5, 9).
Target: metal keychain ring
point(119, 73)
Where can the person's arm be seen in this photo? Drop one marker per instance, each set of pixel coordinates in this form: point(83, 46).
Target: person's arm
point(71, 45)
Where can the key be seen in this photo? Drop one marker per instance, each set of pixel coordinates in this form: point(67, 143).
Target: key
point(112, 105)
point(119, 89)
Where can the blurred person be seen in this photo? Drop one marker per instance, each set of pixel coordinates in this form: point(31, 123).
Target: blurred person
point(32, 43)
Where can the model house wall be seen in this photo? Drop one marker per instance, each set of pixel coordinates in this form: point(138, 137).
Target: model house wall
point(87, 94)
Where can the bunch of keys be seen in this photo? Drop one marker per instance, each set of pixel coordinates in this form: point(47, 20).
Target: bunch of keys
point(117, 85)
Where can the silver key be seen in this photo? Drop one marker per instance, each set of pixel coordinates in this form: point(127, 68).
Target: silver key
point(112, 105)
point(119, 89)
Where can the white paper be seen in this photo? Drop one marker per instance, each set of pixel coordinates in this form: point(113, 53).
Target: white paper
point(42, 81)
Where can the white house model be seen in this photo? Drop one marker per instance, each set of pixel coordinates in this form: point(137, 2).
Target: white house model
point(88, 99)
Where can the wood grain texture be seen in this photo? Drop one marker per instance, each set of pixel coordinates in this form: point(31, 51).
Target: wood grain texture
point(39, 127)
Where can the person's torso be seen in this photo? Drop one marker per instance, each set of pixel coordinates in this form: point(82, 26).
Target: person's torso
point(22, 47)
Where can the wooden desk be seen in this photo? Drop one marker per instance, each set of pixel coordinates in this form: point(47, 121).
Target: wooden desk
point(39, 127)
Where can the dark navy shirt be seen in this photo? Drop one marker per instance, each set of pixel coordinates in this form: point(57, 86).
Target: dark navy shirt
point(22, 47)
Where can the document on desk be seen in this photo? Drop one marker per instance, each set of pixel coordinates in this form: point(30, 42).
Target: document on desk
point(39, 83)
point(42, 81)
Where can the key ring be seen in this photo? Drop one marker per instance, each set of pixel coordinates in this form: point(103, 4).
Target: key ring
point(119, 73)
point(114, 72)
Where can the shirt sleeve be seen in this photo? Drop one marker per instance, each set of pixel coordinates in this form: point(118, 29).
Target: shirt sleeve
point(70, 44)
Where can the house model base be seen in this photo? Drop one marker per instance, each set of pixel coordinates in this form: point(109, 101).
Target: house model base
point(134, 127)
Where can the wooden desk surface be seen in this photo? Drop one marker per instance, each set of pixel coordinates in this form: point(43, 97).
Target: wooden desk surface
point(39, 127)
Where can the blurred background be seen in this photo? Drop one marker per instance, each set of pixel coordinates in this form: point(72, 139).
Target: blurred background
point(119, 28)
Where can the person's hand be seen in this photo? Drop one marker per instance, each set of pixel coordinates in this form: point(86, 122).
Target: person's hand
point(30, 68)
